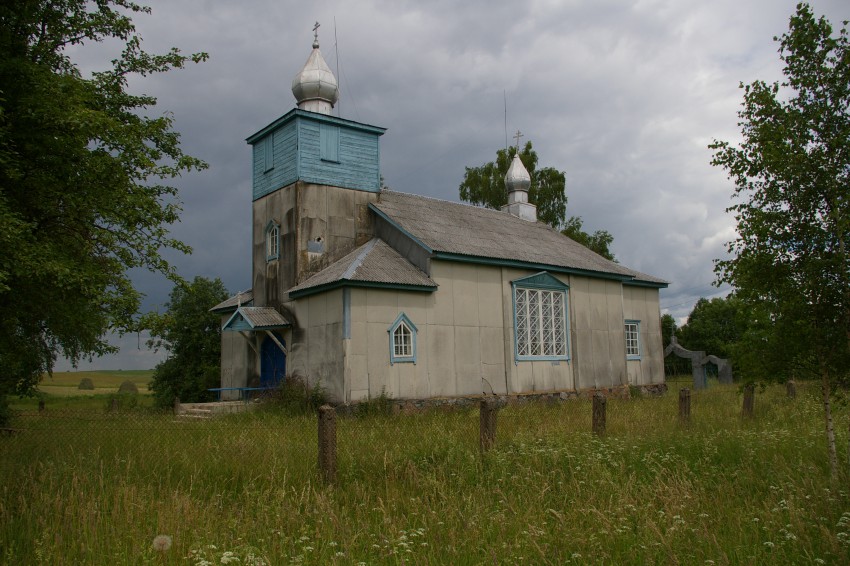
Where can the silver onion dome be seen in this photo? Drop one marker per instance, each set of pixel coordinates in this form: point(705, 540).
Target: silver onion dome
point(517, 177)
point(315, 87)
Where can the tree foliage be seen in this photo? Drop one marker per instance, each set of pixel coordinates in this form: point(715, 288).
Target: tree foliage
point(83, 183)
point(192, 336)
point(791, 173)
point(485, 186)
point(714, 326)
point(600, 241)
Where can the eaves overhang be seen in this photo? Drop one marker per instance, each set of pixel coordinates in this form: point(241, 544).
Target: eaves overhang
point(297, 112)
point(255, 318)
point(463, 258)
point(359, 284)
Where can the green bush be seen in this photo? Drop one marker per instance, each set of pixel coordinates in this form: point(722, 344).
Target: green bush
point(5, 411)
point(295, 396)
point(380, 405)
point(122, 401)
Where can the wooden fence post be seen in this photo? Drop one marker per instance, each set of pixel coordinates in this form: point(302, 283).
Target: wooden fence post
point(599, 405)
point(487, 428)
point(41, 405)
point(749, 400)
point(685, 405)
point(327, 443)
point(791, 388)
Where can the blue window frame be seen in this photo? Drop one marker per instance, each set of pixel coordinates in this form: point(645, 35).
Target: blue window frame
point(632, 339)
point(329, 142)
point(272, 241)
point(541, 324)
point(402, 340)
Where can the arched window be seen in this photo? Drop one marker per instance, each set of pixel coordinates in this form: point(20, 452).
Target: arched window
point(402, 340)
point(272, 241)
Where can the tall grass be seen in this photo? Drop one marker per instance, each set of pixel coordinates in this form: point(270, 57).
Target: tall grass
point(97, 487)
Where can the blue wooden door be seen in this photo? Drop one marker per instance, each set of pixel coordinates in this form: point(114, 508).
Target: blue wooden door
point(272, 363)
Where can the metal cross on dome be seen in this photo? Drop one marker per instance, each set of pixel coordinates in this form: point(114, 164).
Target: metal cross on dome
point(518, 135)
point(316, 31)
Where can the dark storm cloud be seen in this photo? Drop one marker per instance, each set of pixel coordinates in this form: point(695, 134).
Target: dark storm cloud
point(624, 96)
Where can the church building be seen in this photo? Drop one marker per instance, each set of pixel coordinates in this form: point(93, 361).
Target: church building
point(369, 291)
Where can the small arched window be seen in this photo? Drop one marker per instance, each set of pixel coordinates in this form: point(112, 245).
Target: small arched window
point(402, 340)
point(272, 241)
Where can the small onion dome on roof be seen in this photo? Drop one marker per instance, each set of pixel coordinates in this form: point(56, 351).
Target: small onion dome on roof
point(315, 87)
point(517, 177)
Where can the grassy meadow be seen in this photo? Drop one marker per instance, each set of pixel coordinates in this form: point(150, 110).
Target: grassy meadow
point(96, 487)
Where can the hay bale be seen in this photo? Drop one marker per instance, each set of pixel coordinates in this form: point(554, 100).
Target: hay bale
point(128, 387)
point(86, 383)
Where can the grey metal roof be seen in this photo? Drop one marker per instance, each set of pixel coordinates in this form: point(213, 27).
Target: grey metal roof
point(242, 298)
point(263, 317)
point(466, 230)
point(373, 262)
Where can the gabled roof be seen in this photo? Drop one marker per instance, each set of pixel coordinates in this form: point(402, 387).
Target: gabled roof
point(450, 230)
point(255, 318)
point(374, 264)
point(242, 298)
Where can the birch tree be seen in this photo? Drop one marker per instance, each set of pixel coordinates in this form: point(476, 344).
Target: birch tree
point(791, 172)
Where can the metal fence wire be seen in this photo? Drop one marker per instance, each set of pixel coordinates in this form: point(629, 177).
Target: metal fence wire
point(268, 436)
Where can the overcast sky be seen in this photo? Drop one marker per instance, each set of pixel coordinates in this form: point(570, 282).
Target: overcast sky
point(623, 96)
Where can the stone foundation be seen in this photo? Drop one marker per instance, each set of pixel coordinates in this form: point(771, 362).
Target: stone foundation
point(445, 403)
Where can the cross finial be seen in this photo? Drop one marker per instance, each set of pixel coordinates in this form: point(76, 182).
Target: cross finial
point(518, 135)
point(316, 35)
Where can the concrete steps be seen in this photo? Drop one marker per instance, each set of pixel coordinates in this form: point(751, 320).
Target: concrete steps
point(210, 410)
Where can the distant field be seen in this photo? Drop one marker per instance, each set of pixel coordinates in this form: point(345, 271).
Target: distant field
point(66, 383)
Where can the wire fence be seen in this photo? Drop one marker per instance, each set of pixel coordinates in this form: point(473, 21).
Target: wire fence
point(373, 440)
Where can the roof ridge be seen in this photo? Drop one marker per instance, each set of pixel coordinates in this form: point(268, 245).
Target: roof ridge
point(358, 261)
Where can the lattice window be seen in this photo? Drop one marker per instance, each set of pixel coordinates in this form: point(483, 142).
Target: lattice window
point(541, 326)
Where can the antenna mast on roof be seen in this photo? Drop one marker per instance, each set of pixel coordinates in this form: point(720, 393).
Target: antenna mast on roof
point(505, 95)
point(339, 77)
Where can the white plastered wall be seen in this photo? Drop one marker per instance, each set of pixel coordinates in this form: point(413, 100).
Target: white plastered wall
point(236, 361)
point(642, 304)
point(314, 344)
point(597, 332)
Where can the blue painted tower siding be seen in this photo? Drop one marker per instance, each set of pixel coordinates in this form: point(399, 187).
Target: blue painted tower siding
point(298, 154)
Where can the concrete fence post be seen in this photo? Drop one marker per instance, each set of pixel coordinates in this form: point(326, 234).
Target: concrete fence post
point(327, 443)
point(177, 405)
point(749, 400)
point(487, 429)
point(685, 405)
point(791, 388)
point(599, 407)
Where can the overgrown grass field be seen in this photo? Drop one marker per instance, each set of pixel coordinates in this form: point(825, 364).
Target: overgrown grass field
point(96, 487)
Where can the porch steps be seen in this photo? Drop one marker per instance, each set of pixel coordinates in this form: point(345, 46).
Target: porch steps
point(210, 410)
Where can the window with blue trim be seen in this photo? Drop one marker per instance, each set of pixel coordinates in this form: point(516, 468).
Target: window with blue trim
point(632, 339)
point(540, 318)
point(272, 241)
point(402, 340)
